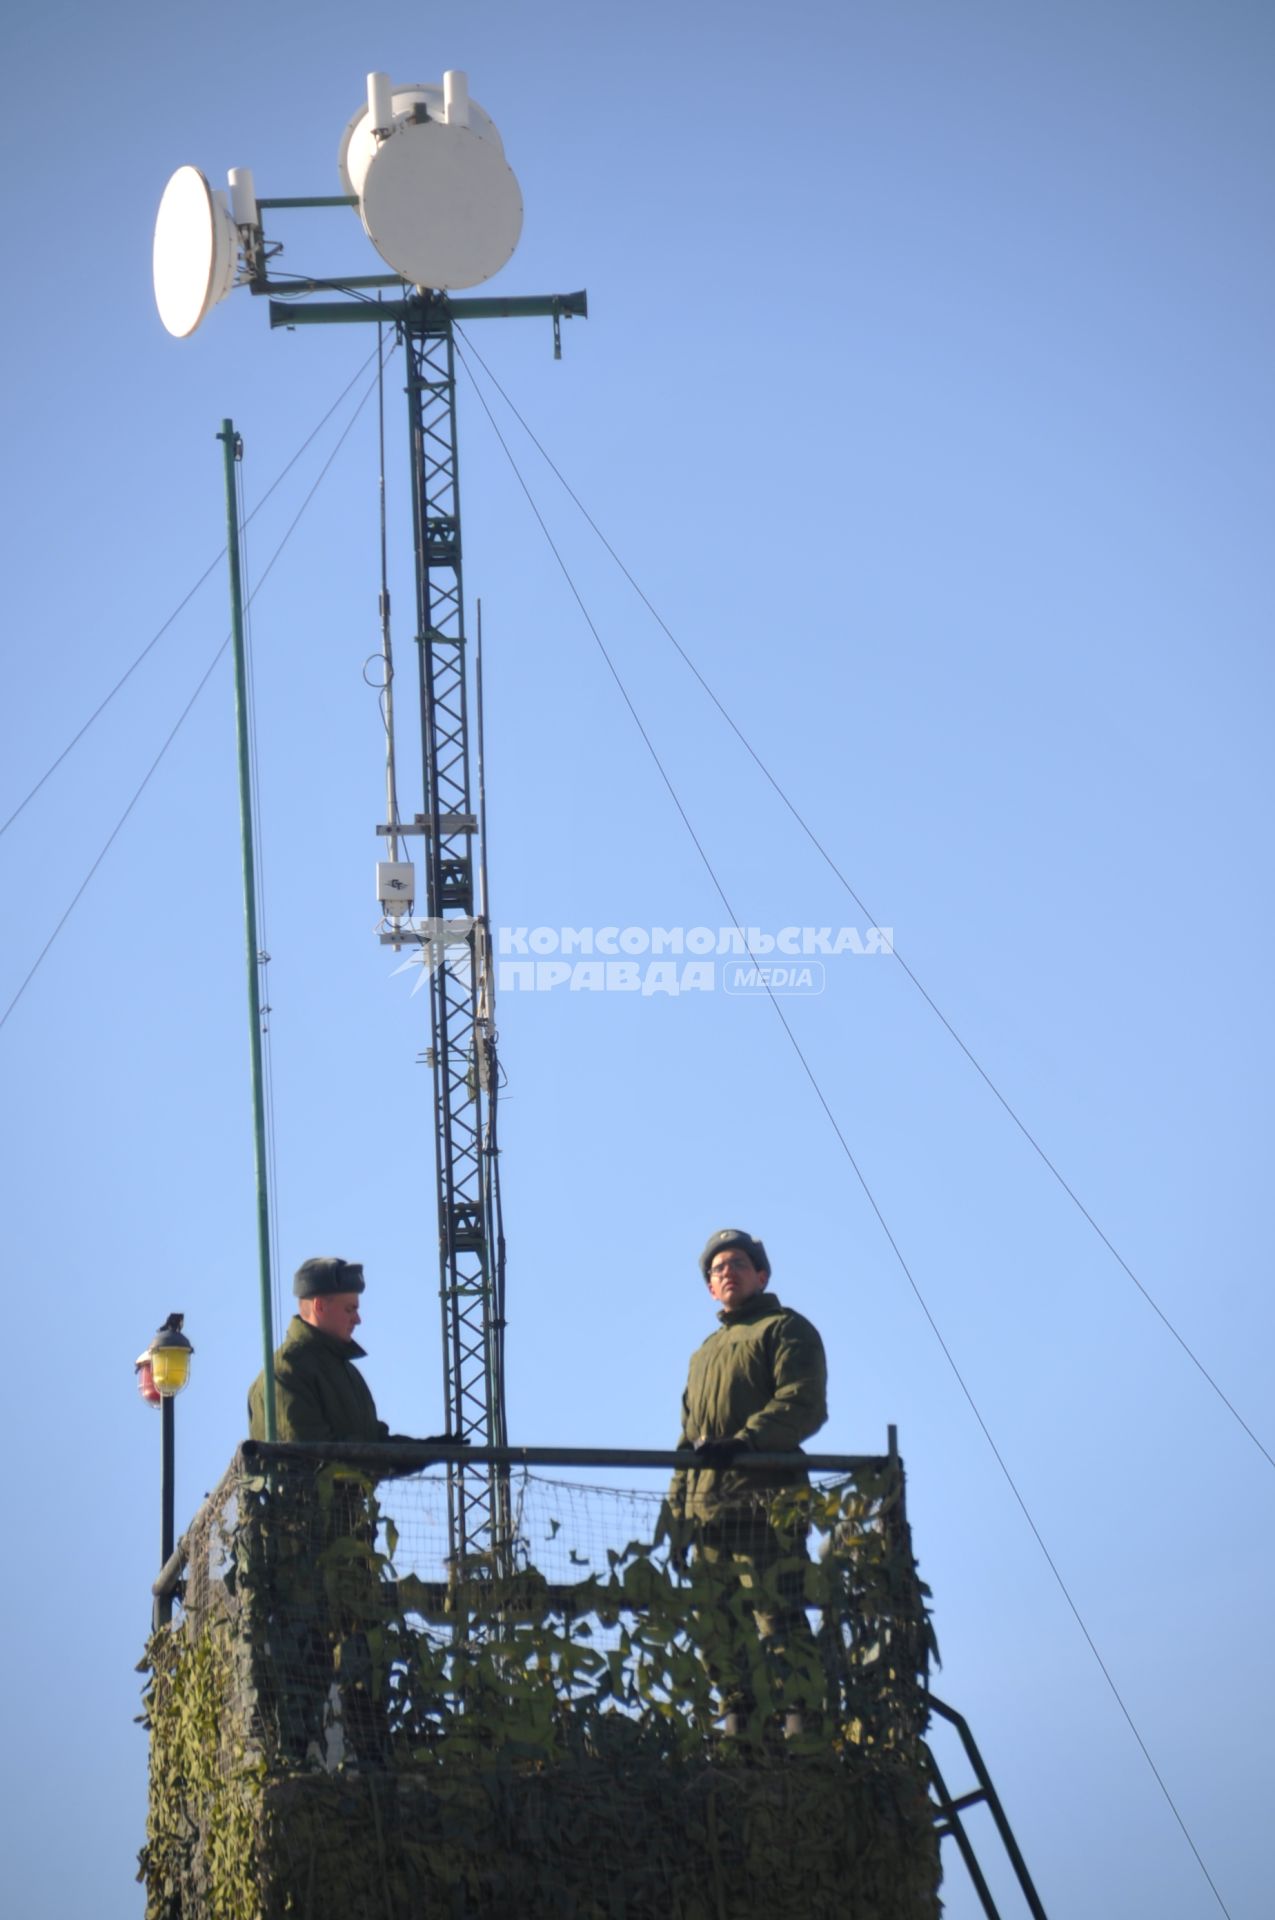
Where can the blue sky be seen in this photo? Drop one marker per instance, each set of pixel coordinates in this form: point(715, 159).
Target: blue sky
point(927, 393)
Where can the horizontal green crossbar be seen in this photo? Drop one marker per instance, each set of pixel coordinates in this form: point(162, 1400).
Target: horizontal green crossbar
point(313, 200)
point(534, 306)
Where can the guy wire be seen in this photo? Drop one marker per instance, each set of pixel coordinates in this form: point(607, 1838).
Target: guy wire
point(387, 653)
point(858, 1172)
point(870, 919)
point(184, 602)
point(176, 727)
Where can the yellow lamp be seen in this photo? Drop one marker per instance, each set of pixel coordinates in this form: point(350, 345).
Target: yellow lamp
point(162, 1372)
point(170, 1357)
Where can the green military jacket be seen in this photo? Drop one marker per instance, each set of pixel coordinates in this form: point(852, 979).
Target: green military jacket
point(761, 1378)
point(319, 1394)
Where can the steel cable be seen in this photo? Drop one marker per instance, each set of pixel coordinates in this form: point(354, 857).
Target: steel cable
point(206, 676)
point(858, 1171)
point(156, 637)
point(871, 920)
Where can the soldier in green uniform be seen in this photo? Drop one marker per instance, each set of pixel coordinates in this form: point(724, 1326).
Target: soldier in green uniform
point(327, 1586)
point(759, 1383)
point(319, 1392)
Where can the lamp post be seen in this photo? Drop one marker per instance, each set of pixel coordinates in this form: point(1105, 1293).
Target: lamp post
point(162, 1371)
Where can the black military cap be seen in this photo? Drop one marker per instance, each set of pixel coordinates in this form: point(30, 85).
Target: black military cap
point(728, 1237)
point(327, 1274)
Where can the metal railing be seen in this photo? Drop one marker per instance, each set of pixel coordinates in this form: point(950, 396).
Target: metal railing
point(392, 1457)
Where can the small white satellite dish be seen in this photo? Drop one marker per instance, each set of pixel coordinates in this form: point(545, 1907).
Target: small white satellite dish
point(435, 193)
point(195, 253)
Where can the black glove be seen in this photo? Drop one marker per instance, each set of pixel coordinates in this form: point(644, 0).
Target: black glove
point(719, 1453)
point(444, 1440)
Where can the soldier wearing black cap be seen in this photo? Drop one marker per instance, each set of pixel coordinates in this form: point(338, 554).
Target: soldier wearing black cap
point(759, 1383)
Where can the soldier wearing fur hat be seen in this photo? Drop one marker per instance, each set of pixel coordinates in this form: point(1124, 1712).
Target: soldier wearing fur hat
point(327, 1589)
point(319, 1392)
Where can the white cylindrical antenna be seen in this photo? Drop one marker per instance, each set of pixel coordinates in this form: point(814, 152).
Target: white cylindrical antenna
point(380, 102)
point(243, 197)
point(434, 191)
point(456, 99)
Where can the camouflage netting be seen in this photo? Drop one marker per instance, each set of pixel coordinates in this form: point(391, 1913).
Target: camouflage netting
point(343, 1729)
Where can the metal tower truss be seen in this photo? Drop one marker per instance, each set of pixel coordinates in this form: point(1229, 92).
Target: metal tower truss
point(457, 958)
point(453, 934)
point(448, 215)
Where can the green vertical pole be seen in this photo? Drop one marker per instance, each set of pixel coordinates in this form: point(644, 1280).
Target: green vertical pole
point(232, 450)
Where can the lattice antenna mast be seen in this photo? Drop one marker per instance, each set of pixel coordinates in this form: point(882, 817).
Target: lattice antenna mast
point(426, 170)
point(456, 952)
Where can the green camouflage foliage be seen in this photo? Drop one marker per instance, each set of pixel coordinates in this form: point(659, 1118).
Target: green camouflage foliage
point(531, 1750)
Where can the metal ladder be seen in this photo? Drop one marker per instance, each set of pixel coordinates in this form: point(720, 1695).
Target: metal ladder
point(948, 1811)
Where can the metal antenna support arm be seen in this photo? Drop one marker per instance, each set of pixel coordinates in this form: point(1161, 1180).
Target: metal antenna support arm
point(425, 309)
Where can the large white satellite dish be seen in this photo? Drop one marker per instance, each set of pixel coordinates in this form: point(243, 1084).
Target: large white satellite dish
point(196, 251)
point(436, 195)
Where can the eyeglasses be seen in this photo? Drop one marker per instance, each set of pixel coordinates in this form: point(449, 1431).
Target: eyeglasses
point(720, 1268)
